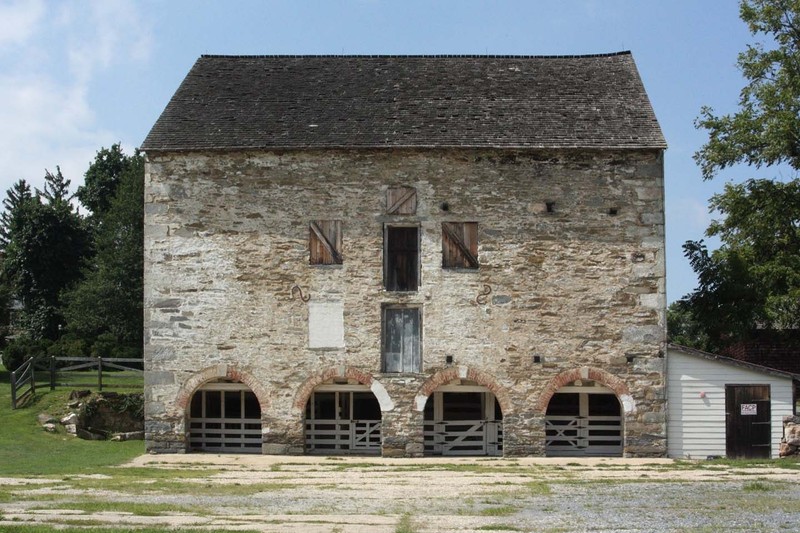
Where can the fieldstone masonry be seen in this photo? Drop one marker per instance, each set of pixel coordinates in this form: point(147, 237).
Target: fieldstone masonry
point(570, 246)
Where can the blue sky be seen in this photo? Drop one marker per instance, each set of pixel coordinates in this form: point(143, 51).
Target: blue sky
point(79, 75)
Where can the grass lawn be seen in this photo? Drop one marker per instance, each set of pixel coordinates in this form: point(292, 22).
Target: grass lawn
point(26, 449)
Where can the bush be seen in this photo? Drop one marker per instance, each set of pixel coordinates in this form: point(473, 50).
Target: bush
point(21, 349)
point(68, 346)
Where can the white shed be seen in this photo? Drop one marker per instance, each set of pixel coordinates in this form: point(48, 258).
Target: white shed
point(718, 406)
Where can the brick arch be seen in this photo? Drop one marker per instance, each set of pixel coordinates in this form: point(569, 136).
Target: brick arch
point(447, 375)
point(221, 371)
point(611, 381)
point(308, 386)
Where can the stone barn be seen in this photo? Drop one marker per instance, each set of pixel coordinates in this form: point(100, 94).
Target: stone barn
point(406, 256)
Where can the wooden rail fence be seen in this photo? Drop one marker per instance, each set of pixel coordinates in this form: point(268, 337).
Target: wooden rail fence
point(89, 372)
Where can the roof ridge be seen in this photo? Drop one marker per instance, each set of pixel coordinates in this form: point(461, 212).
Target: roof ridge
point(415, 56)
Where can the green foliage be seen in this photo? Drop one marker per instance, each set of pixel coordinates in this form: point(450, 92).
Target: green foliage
point(753, 280)
point(23, 348)
point(766, 128)
point(103, 178)
point(107, 306)
point(46, 243)
point(684, 328)
point(72, 279)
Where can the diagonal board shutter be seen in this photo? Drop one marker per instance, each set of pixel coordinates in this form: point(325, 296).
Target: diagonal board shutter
point(401, 201)
point(325, 242)
point(460, 245)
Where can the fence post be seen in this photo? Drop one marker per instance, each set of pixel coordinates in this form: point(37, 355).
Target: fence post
point(33, 375)
point(52, 372)
point(14, 389)
point(100, 373)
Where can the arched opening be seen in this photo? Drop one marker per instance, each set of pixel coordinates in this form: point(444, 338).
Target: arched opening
point(584, 419)
point(224, 417)
point(463, 418)
point(342, 417)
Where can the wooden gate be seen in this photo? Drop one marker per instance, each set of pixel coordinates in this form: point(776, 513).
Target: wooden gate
point(225, 417)
point(343, 419)
point(583, 422)
point(463, 420)
point(747, 421)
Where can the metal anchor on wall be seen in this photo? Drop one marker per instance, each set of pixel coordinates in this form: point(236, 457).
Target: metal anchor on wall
point(483, 296)
point(298, 290)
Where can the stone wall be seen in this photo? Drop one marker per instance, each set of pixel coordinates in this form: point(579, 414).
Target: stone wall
point(571, 282)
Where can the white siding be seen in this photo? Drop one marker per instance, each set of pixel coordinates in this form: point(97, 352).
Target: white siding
point(696, 425)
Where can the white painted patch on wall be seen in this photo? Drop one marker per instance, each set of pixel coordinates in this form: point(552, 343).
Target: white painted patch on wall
point(628, 405)
point(382, 396)
point(325, 325)
point(419, 402)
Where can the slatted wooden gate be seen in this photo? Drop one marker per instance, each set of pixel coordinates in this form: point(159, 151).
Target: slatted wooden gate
point(583, 422)
point(225, 417)
point(343, 420)
point(463, 420)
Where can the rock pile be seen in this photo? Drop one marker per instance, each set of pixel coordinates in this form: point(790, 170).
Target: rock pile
point(106, 415)
point(790, 444)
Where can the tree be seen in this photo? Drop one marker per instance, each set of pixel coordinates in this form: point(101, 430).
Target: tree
point(103, 178)
point(106, 307)
point(17, 195)
point(753, 280)
point(765, 131)
point(45, 244)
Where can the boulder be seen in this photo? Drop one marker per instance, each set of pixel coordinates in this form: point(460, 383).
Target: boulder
point(132, 435)
point(85, 434)
point(78, 394)
point(71, 418)
point(50, 428)
point(791, 434)
point(45, 418)
point(787, 450)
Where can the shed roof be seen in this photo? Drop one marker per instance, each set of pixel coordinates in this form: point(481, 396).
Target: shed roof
point(733, 362)
point(274, 102)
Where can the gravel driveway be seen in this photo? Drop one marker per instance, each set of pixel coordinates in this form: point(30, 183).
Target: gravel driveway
point(373, 495)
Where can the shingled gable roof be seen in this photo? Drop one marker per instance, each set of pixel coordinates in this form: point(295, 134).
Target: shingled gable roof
point(291, 102)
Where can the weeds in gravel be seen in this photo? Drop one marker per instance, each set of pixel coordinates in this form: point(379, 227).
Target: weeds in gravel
point(405, 525)
point(136, 509)
point(757, 486)
point(499, 527)
point(503, 510)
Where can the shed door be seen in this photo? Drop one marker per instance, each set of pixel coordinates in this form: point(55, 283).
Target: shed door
point(747, 421)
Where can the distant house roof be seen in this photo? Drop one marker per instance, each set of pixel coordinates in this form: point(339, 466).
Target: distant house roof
point(288, 102)
point(734, 362)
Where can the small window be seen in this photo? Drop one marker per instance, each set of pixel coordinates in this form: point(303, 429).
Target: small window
point(401, 201)
point(460, 245)
point(325, 242)
point(401, 339)
point(401, 258)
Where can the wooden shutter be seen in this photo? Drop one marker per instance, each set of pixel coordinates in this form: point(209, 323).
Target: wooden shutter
point(325, 242)
point(401, 340)
point(401, 201)
point(460, 244)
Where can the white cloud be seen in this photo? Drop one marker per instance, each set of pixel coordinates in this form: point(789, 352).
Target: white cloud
point(53, 53)
point(111, 30)
point(19, 20)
